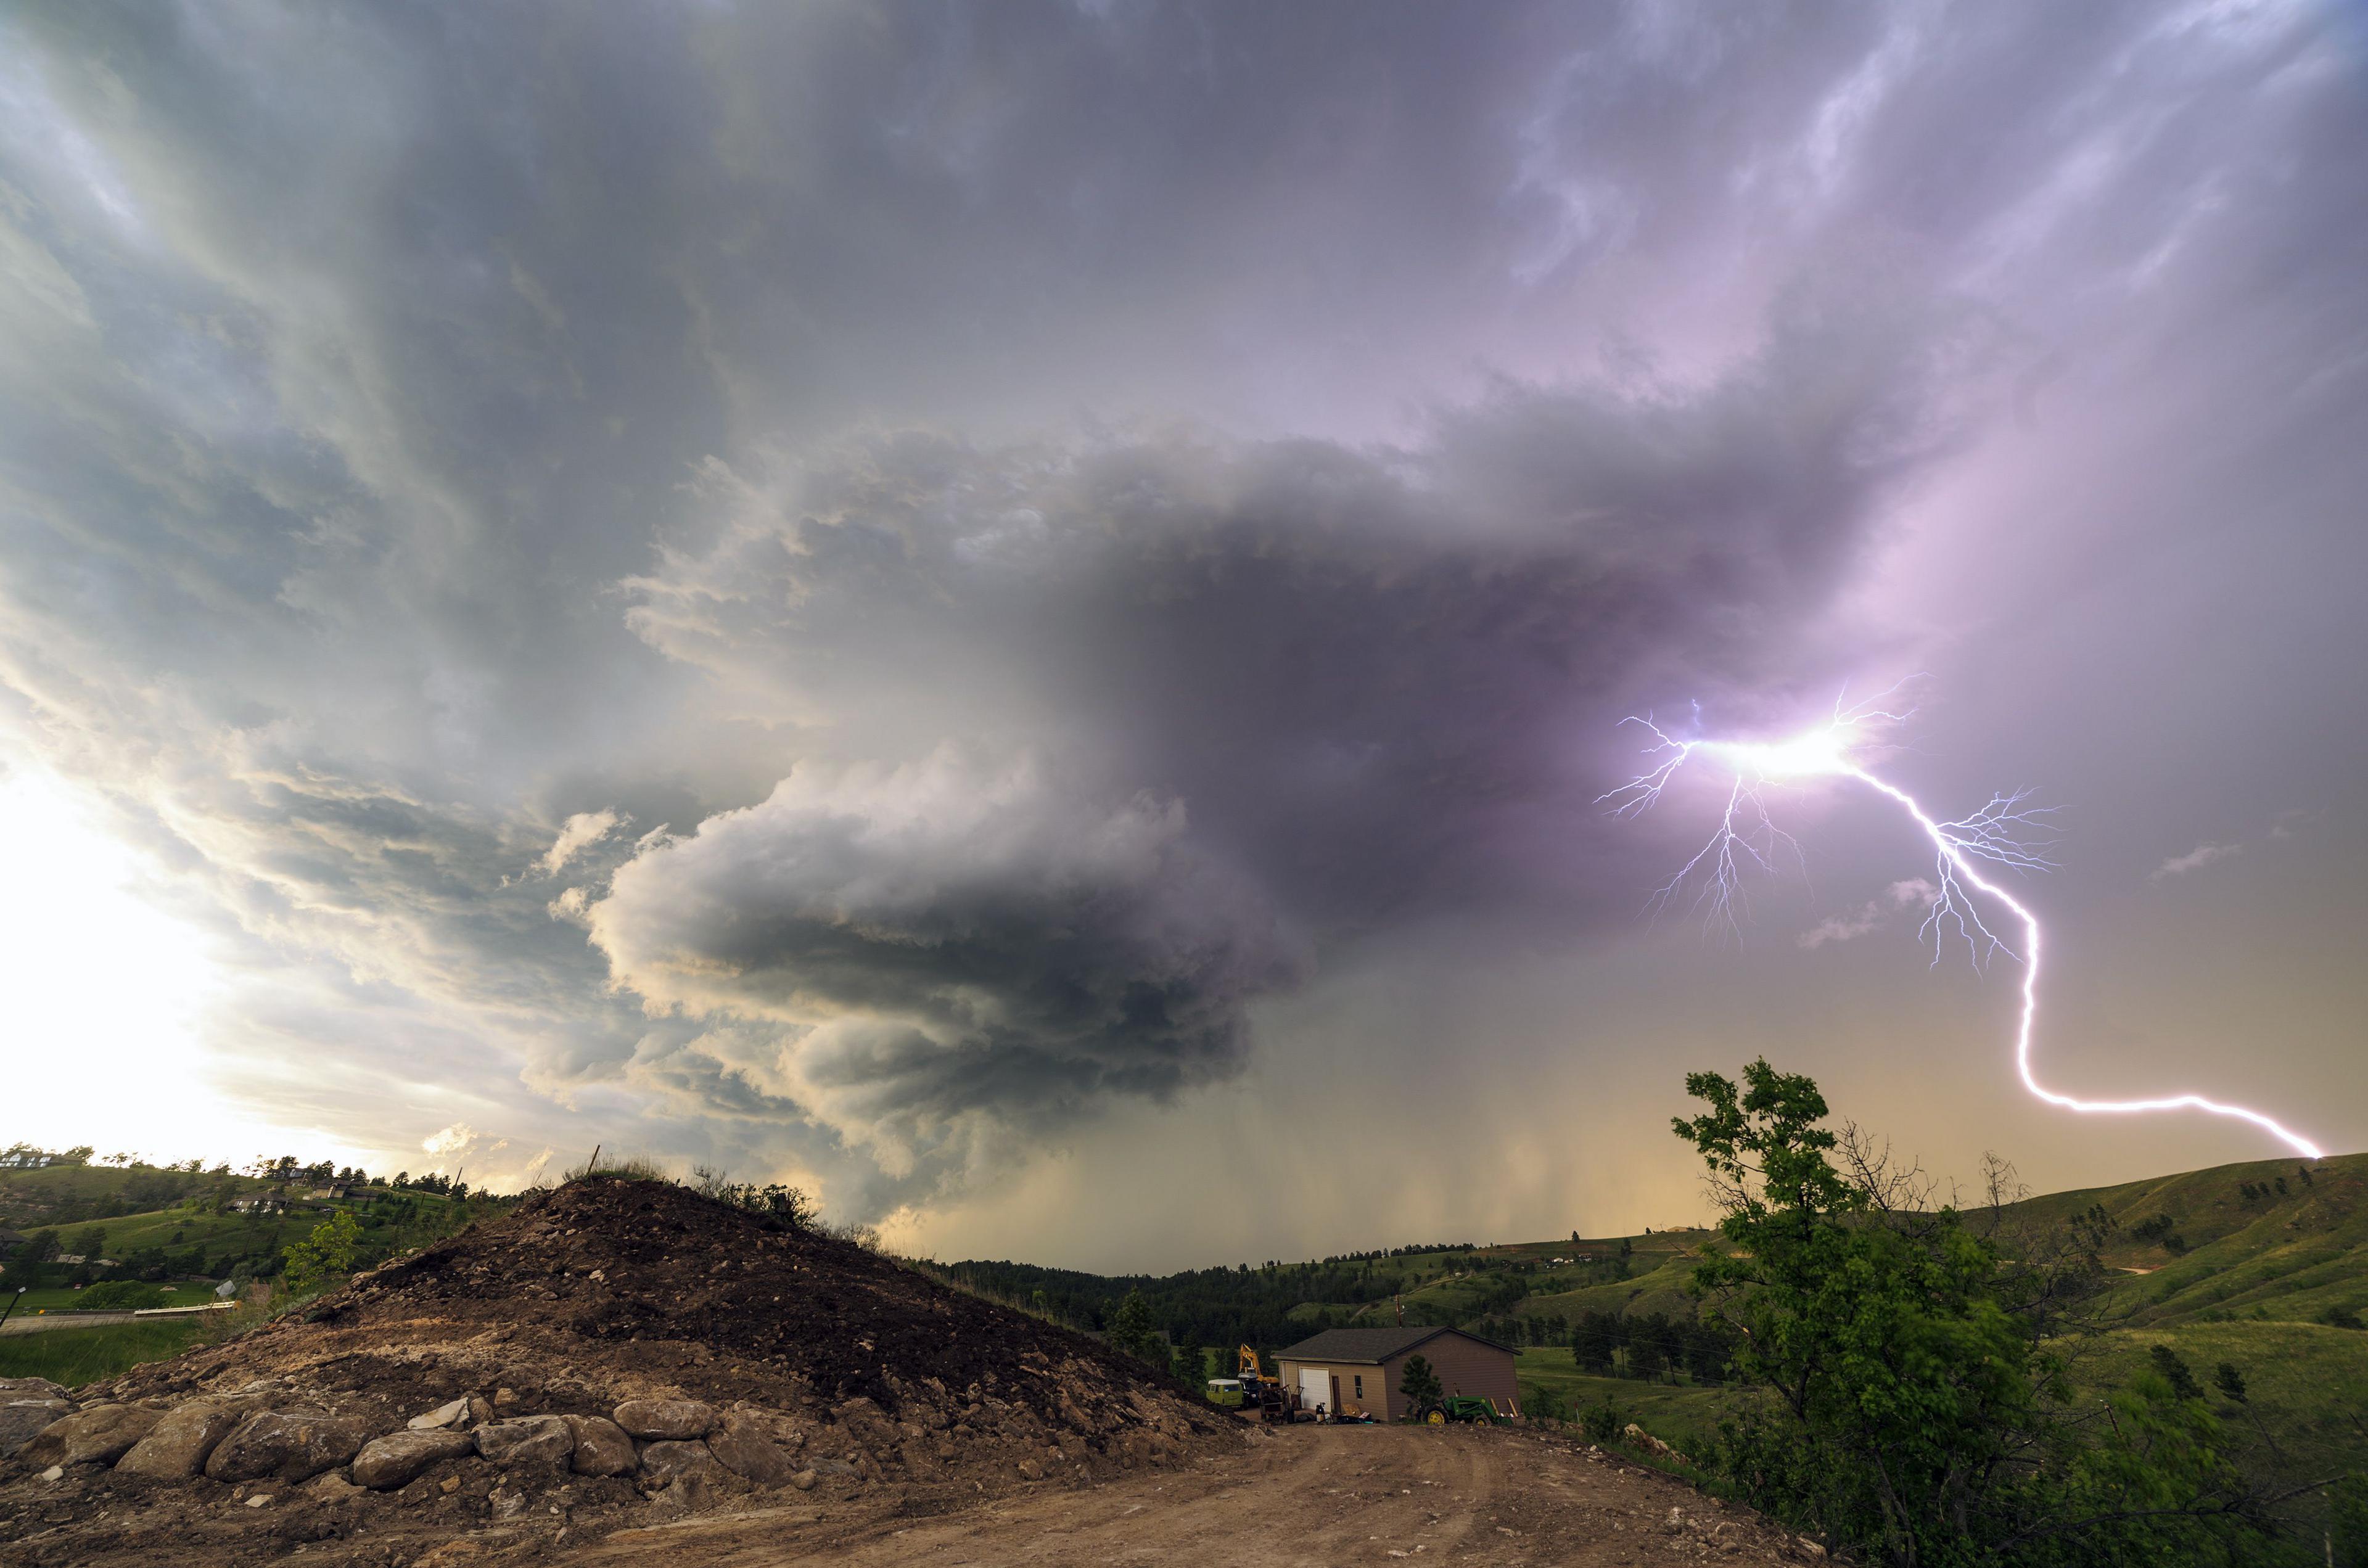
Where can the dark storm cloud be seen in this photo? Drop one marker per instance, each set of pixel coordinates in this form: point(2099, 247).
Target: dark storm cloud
point(1278, 440)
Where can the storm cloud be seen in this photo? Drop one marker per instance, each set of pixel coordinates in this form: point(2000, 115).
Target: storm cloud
point(864, 590)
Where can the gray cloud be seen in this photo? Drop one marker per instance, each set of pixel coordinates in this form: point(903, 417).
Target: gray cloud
point(1279, 441)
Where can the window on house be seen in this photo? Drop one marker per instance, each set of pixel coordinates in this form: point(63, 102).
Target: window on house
point(1360, 1387)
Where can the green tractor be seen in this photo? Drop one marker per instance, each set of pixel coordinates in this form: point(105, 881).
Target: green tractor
point(1460, 1407)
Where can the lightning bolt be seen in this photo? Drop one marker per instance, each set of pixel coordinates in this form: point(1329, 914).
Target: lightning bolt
point(2005, 834)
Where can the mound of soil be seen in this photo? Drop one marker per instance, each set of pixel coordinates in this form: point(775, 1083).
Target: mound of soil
point(739, 1360)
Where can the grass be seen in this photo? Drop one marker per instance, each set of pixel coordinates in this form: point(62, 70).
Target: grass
point(78, 1355)
point(1669, 1410)
point(2307, 1387)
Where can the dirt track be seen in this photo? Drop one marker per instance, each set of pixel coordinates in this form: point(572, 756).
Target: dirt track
point(1312, 1495)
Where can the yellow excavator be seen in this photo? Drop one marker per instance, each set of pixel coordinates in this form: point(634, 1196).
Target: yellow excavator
point(1261, 1393)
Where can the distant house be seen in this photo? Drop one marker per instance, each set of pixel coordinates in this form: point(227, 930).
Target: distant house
point(258, 1205)
point(335, 1192)
point(1352, 1370)
point(10, 1242)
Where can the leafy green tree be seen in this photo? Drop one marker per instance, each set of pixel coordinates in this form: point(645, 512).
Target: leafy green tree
point(41, 1245)
point(1131, 1328)
point(1921, 1412)
point(327, 1252)
point(1417, 1382)
point(90, 1241)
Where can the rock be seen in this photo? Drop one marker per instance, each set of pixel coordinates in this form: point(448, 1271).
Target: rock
point(666, 1462)
point(385, 1463)
point(743, 1443)
point(292, 1446)
point(100, 1434)
point(453, 1415)
point(529, 1439)
point(178, 1447)
point(1638, 1438)
point(665, 1420)
point(330, 1487)
point(479, 1411)
point(56, 1473)
point(31, 1387)
point(601, 1446)
point(804, 1480)
point(22, 1420)
point(1031, 1469)
point(259, 1500)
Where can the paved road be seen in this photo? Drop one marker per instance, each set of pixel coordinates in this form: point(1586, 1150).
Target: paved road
point(1312, 1495)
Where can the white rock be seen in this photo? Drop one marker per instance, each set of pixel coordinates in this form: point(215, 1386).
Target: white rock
point(442, 1415)
point(258, 1500)
point(56, 1473)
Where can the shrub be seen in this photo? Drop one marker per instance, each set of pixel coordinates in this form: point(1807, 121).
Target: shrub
point(327, 1253)
point(1604, 1422)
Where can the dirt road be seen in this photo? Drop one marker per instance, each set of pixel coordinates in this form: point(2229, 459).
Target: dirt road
point(1310, 1494)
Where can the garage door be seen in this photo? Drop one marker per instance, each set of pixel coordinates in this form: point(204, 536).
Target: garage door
point(1316, 1388)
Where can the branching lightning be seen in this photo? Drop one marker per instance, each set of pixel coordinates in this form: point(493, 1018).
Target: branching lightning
point(2006, 833)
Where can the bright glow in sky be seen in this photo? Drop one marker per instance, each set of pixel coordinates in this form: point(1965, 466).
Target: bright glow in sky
point(96, 973)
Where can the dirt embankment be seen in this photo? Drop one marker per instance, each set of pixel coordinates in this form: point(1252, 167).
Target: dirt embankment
point(613, 1354)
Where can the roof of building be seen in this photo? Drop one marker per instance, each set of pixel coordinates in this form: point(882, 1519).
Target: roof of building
point(1374, 1345)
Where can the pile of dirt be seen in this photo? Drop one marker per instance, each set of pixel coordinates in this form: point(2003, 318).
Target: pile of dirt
point(605, 1355)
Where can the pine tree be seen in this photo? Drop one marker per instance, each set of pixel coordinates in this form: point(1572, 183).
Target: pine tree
point(1419, 1383)
point(1131, 1330)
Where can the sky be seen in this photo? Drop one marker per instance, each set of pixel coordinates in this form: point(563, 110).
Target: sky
point(1019, 614)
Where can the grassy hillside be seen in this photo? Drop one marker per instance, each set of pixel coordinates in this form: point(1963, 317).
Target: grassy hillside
point(2199, 1247)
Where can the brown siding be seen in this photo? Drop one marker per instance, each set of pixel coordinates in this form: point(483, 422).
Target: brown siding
point(1464, 1365)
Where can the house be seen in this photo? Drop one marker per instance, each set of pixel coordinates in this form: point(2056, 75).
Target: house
point(10, 1242)
point(1348, 1370)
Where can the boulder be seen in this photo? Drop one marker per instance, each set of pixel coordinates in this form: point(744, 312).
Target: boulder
point(743, 1443)
point(100, 1434)
point(456, 1414)
point(176, 1448)
point(385, 1463)
point(665, 1420)
point(290, 1447)
point(529, 1439)
point(601, 1446)
point(666, 1462)
point(31, 1387)
point(22, 1420)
